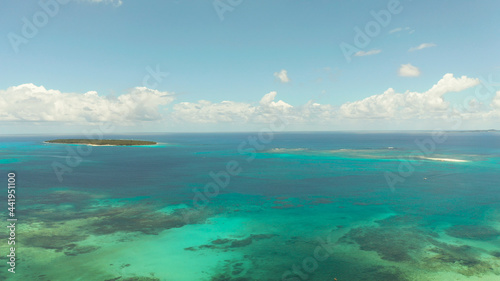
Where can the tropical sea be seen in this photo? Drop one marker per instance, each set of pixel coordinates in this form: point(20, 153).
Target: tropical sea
point(248, 206)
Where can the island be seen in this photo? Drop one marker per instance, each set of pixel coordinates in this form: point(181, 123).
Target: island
point(475, 131)
point(98, 142)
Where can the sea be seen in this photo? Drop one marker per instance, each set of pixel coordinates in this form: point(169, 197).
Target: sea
point(326, 206)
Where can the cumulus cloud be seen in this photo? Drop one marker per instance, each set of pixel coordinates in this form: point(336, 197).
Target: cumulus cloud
point(389, 105)
point(207, 112)
point(409, 104)
point(496, 101)
point(268, 102)
point(313, 111)
point(369, 53)
point(28, 102)
point(408, 70)
point(422, 46)
point(264, 111)
point(229, 111)
point(282, 76)
point(31, 103)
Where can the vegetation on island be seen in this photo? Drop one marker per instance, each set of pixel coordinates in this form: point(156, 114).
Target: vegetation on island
point(102, 142)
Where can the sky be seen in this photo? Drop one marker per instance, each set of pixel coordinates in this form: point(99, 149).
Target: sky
point(67, 66)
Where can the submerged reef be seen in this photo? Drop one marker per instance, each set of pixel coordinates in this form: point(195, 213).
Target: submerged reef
point(75, 223)
point(133, 219)
point(462, 259)
point(382, 273)
point(420, 248)
point(401, 220)
point(57, 242)
point(232, 243)
point(125, 219)
point(67, 224)
point(475, 232)
point(134, 279)
point(60, 243)
point(391, 244)
point(225, 277)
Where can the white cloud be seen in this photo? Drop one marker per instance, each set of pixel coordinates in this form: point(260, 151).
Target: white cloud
point(496, 101)
point(229, 111)
point(34, 104)
point(116, 3)
point(282, 76)
point(493, 114)
point(267, 101)
point(267, 109)
point(422, 46)
point(451, 84)
point(408, 70)
point(28, 102)
point(207, 112)
point(313, 111)
point(369, 53)
point(398, 29)
point(389, 105)
point(392, 105)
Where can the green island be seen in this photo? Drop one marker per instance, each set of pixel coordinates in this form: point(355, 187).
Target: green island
point(102, 142)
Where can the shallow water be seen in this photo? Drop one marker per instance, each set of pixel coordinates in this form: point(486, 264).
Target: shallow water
point(304, 206)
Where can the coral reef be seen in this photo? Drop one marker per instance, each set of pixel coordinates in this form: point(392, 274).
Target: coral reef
point(232, 243)
point(475, 232)
point(391, 244)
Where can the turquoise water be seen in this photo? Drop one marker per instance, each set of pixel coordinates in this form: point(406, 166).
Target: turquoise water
point(303, 206)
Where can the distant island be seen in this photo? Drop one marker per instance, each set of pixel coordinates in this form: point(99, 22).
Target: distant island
point(475, 131)
point(102, 142)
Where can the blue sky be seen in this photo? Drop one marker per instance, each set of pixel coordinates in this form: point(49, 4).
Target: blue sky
point(108, 47)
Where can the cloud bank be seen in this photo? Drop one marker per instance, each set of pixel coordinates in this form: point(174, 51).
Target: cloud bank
point(392, 105)
point(29, 103)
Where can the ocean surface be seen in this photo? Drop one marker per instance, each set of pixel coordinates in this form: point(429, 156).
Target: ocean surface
point(244, 206)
